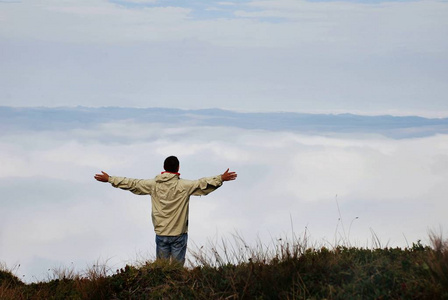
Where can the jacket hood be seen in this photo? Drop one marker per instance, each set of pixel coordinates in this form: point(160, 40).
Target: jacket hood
point(165, 177)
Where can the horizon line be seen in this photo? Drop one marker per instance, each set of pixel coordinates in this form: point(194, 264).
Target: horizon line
point(335, 112)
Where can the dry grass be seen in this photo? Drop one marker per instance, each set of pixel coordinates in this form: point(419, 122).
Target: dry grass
point(284, 269)
point(438, 259)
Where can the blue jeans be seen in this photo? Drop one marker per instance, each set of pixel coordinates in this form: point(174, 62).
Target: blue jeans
point(174, 247)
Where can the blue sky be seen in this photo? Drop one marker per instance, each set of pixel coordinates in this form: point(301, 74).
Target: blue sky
point(367, 57)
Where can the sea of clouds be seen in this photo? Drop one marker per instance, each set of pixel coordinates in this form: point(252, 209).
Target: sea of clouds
point(357, 189)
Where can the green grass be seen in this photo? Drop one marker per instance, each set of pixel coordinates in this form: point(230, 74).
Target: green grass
point(289, 271)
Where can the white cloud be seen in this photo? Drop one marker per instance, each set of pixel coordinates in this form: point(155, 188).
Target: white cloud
point(227, 3)
point(141, 1)
point(55, 213)
point(272, 55)
point(90, 21)
point(397, 24)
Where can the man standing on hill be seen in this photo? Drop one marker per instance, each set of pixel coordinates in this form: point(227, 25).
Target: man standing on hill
point(170, 197)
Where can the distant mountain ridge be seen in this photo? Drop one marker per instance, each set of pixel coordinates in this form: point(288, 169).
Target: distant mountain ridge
point(65, 118)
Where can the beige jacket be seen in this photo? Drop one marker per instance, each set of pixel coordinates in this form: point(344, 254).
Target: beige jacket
point(170, 197)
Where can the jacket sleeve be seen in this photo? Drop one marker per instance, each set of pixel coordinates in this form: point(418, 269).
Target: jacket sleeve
point(206, 185)
point(136, 186)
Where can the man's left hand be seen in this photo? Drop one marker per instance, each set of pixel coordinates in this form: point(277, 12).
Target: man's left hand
point(227, 176)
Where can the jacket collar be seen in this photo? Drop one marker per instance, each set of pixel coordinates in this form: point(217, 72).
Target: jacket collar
point(178, 174)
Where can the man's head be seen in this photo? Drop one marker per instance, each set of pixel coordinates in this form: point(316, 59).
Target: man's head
point(171, 164)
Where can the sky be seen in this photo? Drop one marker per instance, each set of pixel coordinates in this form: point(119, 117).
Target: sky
point(359, 188)
point(367, 57)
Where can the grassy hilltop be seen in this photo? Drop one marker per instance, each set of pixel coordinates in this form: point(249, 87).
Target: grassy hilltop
point(291, 271)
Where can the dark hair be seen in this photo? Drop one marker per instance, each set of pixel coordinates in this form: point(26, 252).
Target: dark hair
point(171, 164)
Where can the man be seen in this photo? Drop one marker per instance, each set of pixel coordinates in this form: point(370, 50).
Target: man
point(170, 197)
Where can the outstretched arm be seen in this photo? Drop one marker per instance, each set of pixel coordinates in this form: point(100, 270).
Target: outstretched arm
point(206, 185)
point(136, 186)
point(227, 176)
point(102, 177)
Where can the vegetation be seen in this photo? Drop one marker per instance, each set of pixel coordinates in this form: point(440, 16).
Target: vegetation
point(290, 271)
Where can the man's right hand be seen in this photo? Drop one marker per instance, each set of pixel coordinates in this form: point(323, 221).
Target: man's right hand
point(102, 177)
point(227, 176)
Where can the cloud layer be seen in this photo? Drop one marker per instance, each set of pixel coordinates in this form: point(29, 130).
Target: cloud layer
point(54, 213)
